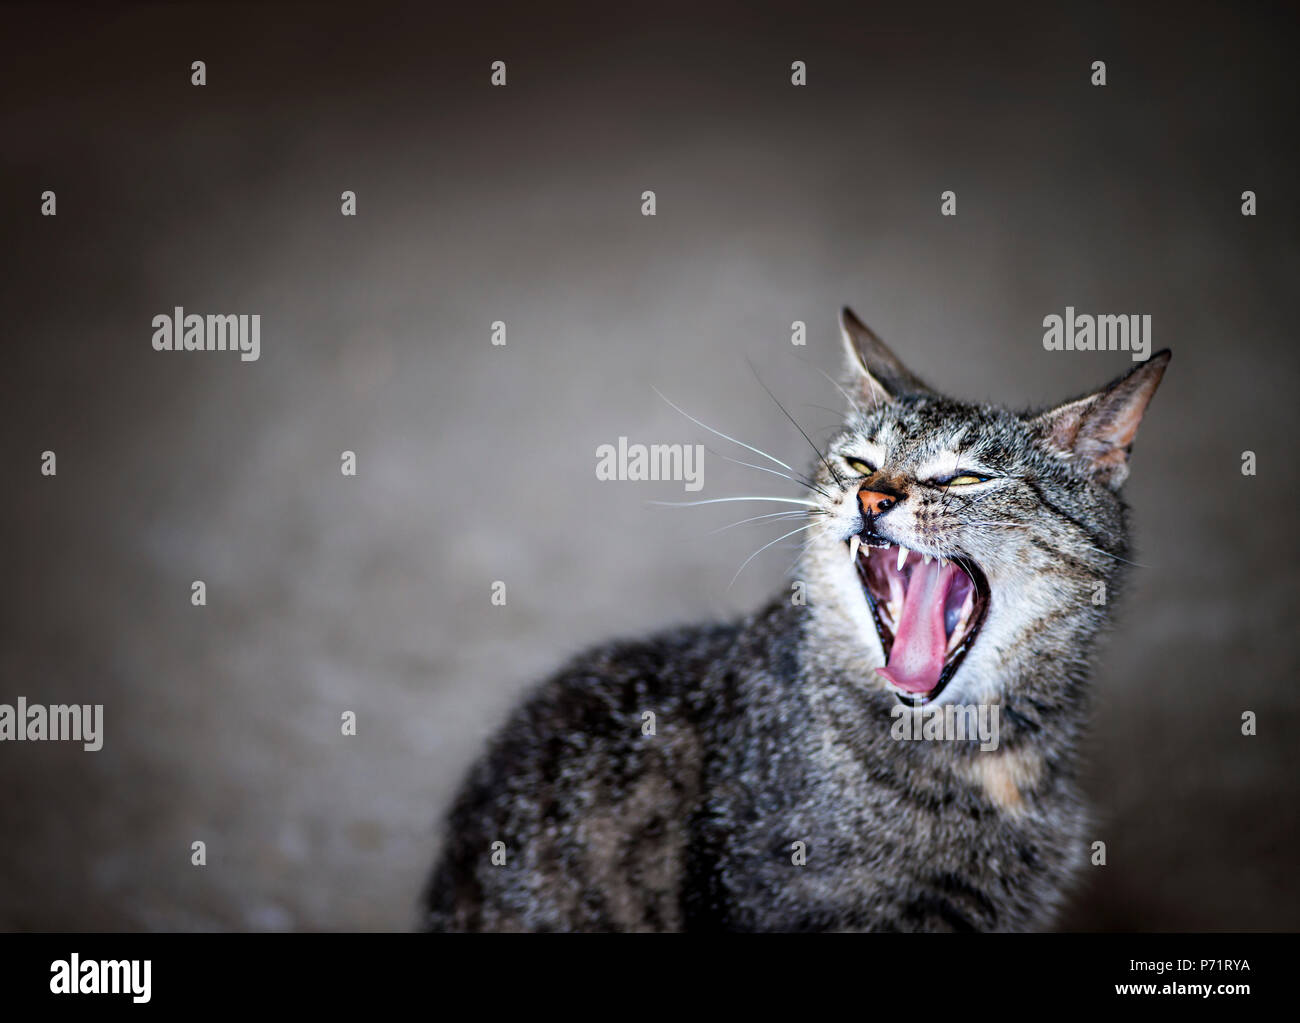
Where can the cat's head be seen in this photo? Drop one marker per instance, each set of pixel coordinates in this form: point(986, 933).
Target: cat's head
point(962, 546)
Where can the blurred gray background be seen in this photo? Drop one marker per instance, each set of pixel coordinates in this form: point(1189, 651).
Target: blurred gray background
point(476, 463)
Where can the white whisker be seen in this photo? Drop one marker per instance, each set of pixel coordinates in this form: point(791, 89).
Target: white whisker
point(765, 547)
point(825, 524)
point(724, 436)
point(1115, 556)
point(853, 402)
point(756, 518)
point(724, 500)
point(958, 563)
point(802, 481)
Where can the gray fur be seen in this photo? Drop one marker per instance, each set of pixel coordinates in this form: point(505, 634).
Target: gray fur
point(775, 730)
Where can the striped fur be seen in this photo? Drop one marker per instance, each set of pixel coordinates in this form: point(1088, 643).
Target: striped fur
point(773, 733)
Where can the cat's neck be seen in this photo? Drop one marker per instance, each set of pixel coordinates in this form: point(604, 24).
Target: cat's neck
point(1041, 702)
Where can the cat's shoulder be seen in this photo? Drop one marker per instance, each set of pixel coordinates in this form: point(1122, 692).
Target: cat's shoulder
point(610, 688)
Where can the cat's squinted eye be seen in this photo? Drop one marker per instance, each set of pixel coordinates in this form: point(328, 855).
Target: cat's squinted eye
point(962, 479)
point(860, 465)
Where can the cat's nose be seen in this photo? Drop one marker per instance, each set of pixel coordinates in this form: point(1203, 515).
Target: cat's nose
point(874, 502)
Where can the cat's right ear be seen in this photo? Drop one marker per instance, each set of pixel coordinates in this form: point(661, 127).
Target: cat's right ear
point(874, 371)
point(1098, 430)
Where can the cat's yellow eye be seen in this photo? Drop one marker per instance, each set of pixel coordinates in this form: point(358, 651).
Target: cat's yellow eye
point(964, 479)
point(859, 466)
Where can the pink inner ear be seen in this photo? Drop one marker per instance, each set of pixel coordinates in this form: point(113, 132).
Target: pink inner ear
point(1118, 426)
point(1101, 453)
point(1112, 423)
point(1102, 428)
point(1065, 422)
point(1065, 428)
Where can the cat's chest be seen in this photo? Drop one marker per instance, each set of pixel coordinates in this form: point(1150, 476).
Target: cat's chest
point(856, 851)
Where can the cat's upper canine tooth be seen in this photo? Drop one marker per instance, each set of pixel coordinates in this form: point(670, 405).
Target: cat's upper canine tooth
point(902, 556)
point(854, 543)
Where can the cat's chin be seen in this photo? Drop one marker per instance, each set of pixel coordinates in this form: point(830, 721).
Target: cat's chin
point(927, 613)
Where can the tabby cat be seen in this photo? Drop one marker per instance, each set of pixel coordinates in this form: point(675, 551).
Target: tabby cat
point(954, 554)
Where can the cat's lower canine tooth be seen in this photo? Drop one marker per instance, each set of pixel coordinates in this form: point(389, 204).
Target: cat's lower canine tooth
point(962, 621)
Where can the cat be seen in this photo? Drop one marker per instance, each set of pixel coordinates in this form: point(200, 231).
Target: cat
point(956, 555)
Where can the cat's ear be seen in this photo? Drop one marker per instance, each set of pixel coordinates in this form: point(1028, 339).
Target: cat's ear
point(874, 370)
point(1099, 430)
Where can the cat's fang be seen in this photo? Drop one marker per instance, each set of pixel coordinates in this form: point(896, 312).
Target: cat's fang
point(896, 593)
point(963, 620)
point(854, 543)
point(902, 556)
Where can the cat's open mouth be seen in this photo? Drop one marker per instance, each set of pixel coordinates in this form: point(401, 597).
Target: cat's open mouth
point(927, 613)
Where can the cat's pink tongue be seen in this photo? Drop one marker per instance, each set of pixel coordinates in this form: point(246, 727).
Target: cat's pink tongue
point(916, 659)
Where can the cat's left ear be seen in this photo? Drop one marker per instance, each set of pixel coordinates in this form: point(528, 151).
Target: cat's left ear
point(874, 371)
point(1099, 430)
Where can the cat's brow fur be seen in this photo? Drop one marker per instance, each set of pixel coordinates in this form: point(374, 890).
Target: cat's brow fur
point(776, 730)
